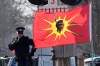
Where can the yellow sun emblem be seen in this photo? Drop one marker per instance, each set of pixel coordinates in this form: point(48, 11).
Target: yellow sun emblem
point(60, 26)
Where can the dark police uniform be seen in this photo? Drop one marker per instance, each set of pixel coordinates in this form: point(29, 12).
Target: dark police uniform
point(21, 47)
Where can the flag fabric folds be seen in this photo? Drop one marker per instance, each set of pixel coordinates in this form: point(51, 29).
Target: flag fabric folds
point(61, 28)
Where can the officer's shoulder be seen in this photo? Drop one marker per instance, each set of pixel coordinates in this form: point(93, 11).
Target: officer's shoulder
point(26, 37)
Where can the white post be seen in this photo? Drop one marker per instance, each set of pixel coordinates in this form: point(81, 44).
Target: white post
point(91, 36)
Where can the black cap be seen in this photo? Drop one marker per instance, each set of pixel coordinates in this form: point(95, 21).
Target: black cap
point(20, 30)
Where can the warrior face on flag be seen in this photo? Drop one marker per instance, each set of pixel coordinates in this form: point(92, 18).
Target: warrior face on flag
point(60, 26)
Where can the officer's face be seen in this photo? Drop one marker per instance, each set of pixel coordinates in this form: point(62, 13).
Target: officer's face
point(19, 34)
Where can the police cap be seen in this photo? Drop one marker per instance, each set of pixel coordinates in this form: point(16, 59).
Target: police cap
point(20, 30)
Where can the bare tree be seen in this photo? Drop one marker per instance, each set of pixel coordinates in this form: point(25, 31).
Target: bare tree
point(13, 13)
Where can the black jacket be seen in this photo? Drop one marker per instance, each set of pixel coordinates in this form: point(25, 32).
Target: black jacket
point(21, 46)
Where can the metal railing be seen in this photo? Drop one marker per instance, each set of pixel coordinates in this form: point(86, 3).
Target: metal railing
point(4, 61)
point(10, 61)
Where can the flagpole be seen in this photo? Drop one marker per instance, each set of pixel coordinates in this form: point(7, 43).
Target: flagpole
point(63, 49)
point(91, 35)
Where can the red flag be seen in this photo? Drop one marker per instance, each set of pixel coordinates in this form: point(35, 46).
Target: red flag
point(60, 28)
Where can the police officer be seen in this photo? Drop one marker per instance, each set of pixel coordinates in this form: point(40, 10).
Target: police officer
point(21, 46)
